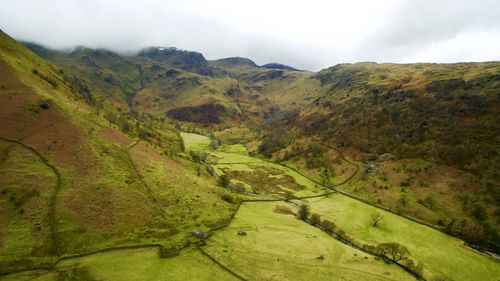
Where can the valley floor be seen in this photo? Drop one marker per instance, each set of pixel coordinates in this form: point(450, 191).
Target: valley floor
point(266, 241)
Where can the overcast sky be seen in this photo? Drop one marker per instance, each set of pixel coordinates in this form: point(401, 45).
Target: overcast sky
point(309, 34)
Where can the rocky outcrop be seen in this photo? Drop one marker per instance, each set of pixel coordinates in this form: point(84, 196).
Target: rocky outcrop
point(278, 66)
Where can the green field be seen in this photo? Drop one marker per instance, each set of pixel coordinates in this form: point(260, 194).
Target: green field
point(278, 246)
point(135, 264)
point(195, 142)
point(441, 255)
point(261, 176)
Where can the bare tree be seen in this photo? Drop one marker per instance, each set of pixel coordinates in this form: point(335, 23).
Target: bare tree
point(376, 218)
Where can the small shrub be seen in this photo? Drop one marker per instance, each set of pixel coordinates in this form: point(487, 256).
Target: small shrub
point(223, 181)
point(376, 218)
point(281, 209)
point(416, 268)
point(168, 252)
point(227, 197)
point(303, 213)
point(315, 219)
point(45, 104)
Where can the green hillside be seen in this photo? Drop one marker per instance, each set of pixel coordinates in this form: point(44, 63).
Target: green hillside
point(162, 165)
point(74, 183)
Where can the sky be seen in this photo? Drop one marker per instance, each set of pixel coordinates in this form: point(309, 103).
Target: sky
point(311, 34)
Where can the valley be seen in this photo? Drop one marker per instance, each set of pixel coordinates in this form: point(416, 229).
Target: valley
point(163, 165)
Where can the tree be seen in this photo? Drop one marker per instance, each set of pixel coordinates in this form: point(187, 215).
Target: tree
point(417, 268)
point(376, 218)
point(315, 219)
point(223, 181)
point(328, 226)
point(392, 251)
point(303, 213)
point(198, 156)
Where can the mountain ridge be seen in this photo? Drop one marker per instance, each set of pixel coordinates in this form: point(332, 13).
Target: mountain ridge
point(153, 150)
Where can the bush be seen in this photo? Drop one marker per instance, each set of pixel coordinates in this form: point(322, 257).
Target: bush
point(303, 213)
point(198, 156)
point(47, 79)
point(416, 268)
point(315, 219)
point(283, 210)
point(328, 226)
point(223, 181)
point(45, 104)
point(228, 197)
point(168, 252)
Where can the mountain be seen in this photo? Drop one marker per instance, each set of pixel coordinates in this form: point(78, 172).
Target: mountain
point(105, 157)
point(278, 66)
point(425, 138)
point(444, 114)
point(77, 178)
point(182, 59)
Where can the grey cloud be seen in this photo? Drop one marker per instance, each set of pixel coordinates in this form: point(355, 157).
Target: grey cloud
point(309, 41)
point(417, 24)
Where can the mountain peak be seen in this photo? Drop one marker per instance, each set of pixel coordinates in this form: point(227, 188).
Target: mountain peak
point(183, 59)
point(174, 56)
point(274, 65)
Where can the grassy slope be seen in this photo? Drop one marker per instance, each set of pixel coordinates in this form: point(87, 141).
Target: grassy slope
point(273, 248)
point(102, 200)
point(438, 113)
point(25, 206)
point(456, 107)
point(136, 264)
point(195, 142)
point(440, 254)
point(154, 87)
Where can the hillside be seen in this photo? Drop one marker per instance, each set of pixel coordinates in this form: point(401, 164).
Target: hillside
point(425, 136)
point(73, 183)
point(162, 165)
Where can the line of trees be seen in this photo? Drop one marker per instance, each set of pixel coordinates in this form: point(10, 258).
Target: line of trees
point(390, 251)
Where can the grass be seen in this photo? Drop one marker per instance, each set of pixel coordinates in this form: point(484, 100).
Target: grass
point(235, 134)
point(103, 201)
point(416, 181)
point(195, 142)
point(135, 264)
point(189, 200)
point(442, 255)
point(113, 197)
point(273, 248)
point(24, 229)
point(260, 176)
point(221, 156)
